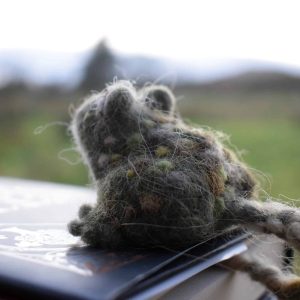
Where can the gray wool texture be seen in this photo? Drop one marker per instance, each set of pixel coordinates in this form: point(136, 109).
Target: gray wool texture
point(161, 182)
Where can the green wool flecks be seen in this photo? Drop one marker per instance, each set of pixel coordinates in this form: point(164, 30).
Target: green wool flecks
point(161, 182)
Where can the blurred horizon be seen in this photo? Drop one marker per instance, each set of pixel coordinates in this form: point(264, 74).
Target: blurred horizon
point(50, 42)
point(42, 68)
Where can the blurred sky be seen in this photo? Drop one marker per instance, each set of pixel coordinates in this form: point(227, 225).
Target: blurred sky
point(256, 29)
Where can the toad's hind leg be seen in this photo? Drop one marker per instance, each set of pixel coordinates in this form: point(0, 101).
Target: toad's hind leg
point(268, 217)
point(284, 286)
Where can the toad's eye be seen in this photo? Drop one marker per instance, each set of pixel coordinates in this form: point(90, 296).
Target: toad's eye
point(160, 98)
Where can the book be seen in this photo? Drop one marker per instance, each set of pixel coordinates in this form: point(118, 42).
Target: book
point(39, 259)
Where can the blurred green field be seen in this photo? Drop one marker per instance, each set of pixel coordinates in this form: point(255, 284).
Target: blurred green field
point(28, 152)
point(271, 146)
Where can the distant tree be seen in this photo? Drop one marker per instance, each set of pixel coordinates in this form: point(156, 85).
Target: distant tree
point(99, 69)
point(13, 87)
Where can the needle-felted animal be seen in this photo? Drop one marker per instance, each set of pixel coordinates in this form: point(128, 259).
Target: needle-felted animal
point(162, 182)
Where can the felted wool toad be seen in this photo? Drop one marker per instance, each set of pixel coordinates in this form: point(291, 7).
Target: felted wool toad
point(162, 182)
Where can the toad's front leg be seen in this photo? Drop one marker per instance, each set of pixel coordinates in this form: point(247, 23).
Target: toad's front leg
point(95, 228)
point(267, 217)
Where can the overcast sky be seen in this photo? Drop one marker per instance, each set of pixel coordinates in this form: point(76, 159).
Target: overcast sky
point(256, 29)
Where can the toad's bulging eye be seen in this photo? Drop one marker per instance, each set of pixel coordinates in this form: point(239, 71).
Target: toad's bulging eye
point(160, 98)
